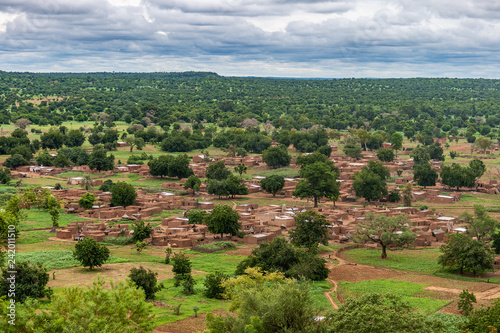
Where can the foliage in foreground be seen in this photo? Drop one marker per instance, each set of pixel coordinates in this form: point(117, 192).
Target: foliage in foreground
point(146, 280)
point(120, 308)
point(30, 281)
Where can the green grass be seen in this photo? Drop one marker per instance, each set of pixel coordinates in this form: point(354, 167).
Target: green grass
point(70, 174)
point(39, 218)
point(217, 261)
point(33, 237)
point(318, 288)
point(422, 261)
point(406, 290)
point(59, 259)
point(288, 172)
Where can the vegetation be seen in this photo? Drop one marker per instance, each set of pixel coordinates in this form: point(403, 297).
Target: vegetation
point(90, 254)
point(123, 194)
point(145, 280)
point(310, 230)
point(223, 220)
point(319, 181)
point(273, 184)
point(30, 282)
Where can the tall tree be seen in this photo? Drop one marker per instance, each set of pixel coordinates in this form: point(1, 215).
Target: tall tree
point(386, 231)
point(99, 159)
point(481, 225)
point(223, 220)
point(424, 175)
point(91, 254)
point(318, 181)
point(397, 142)
point(276, 157)
point(273, 184)
point(310, 229)
point(369, 185)
point(457, 176)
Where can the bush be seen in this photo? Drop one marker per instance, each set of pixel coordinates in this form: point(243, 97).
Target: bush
point(145, 279)
point(87, 201)
point(213, 247)
point(106, 185)
point(181, 267)
point(394, 196)
point(213, 285)
point(141, 231)
point(91, 254)
point(31, 281)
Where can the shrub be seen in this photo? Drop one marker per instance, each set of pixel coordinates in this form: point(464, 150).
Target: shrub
point(31, 281)
point(91, 254)
point(394, 196)
point(147, 280)
point(213, 285)
point(141, 231)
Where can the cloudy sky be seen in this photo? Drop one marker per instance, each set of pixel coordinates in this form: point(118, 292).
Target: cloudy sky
point(285, 38)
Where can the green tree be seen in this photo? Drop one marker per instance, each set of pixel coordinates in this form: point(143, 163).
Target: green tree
point(424, 175)
point(478, 168)
point(420, 155)
point(193, 182)
point(310, 229)
point(141, 231)
point(87, 200)
point(91, 254)
point(352, 148)
point(483, 143)
point(181, 267)
point(496, 242)
point(159, 166)
point(407, 194)
point(385, 154)
point(61, 161)
point(276, 157)
point(4, 175)
point(378, 168)
point(15, 161)
point(120, 308)
point(481, 225)
point(273, 184)
point(377, 313)
point(435, 152)
point(74, 138)
point(457, 176)
point(196, 216)
point(179, 167)
point(214, 285)
point(318, 181)
point(364, 136)
point(145, 280)
point(484, 319)
point(397, 142)
point(463, 253)
point(30, 281)
point(99, 159)
point(223, 220)
point(53, 139)
point(465, 306)
point(87, 183)
point(240, 169)
point(217, 171)
point(369, 185)
point(123, 194)
point(106, 185)
point(386, 231)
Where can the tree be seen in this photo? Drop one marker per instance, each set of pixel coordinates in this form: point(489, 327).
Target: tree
point(276, 157)
point(463, 253)
point(378, 168)
point(31, 280)
point(179, 167)
point(424, 175)
point(496, 242)
point(91, 254)
point(15, 161)
point(420, 155)
point(281, 307)
point(123, 194)
point(214, 285)
point(145, 280)
point(318, 181)
point(483, 143)
point(86, 201)
point(217, 171)
point(196, 216)
point(397, 142)
point(387, 231)
point(369, 185)
point(435, 152)
point(457, 176)
point(87, 183)
point(481, 225)
point(120, 308)
point(99, 159)
point(61, 161)
point(364, 136)
point(273, 184)
point(377, 313)
point(478, 168)
point(325, 150)
point(141, 231)
point(74, 138)
point(240, 169)
point(223, 220)
point(106, 185)
point(181, 268)
point(385, 154)
point(465, 306)
point(352, 148)
point(316, 157)
point(231, 186)
point(159, 166)
point(310, 229)
point(4, 175)
point(22, 123)
point(193, 182)
point(484, 319)
point(53, 139)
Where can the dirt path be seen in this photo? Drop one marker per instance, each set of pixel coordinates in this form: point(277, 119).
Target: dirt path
point(492, 293)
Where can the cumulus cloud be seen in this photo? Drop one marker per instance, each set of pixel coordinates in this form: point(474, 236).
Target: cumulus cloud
point(261, 37)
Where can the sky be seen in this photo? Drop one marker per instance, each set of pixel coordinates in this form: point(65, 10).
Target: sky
point(277, 38)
